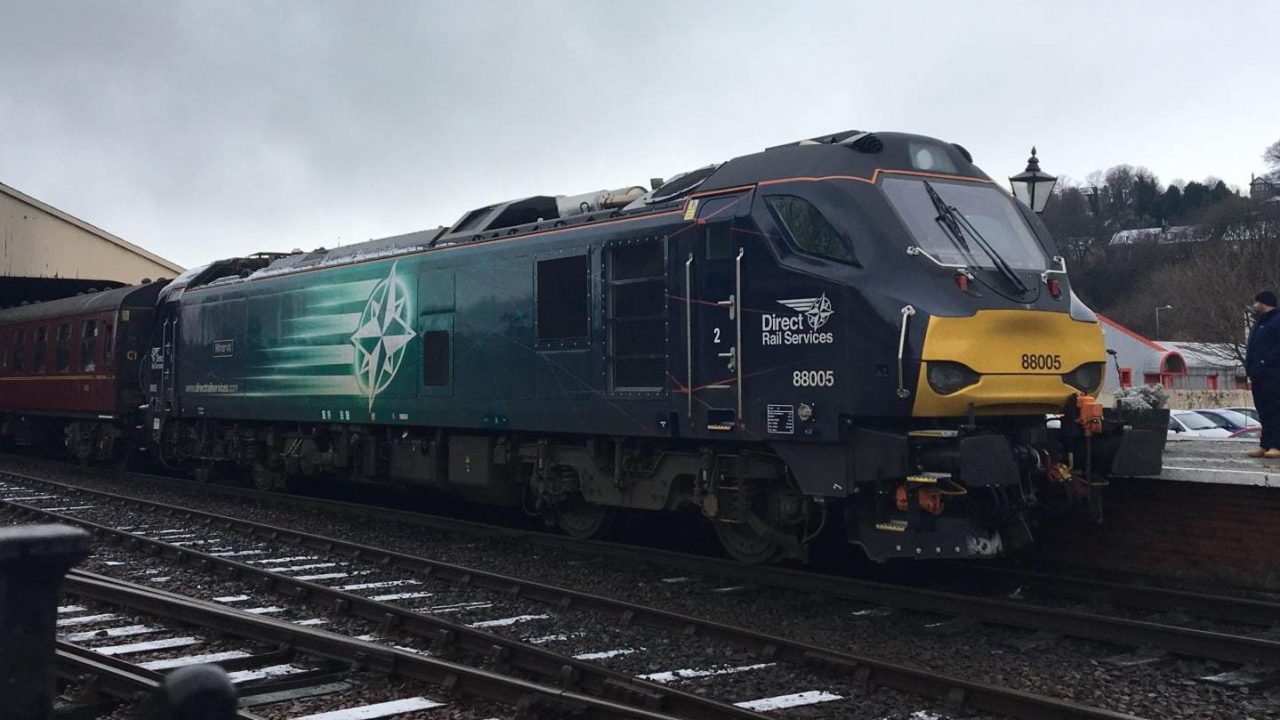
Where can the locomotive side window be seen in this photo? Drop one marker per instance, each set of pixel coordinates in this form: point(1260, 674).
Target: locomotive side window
point(38, 352)
point(62, 348)
point(716, 214)
point(435, 358)
point(19, 351)
point(88, 345)
point(563, 298)
point(808, 229)
point(636, 316)
point(4, 351)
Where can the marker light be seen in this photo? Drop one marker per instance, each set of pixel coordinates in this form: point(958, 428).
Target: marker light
point(1055, 288)
point(962, 282)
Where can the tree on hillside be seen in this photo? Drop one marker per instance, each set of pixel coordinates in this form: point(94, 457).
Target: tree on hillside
point(1271, 156)
point(1213, 288)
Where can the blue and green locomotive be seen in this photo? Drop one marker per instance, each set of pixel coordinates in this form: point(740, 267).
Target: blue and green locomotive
point(861, 327)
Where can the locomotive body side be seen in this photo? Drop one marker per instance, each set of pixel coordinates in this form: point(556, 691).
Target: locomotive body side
point(872, 331)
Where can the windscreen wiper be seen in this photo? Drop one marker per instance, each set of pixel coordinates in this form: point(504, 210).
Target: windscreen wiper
point(946, 219)
point(957, 223)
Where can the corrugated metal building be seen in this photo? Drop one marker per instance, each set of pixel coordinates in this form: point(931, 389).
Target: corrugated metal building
point(46, 253)
point(1136, 360)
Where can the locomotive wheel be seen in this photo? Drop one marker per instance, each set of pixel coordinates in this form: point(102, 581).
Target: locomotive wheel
point(744, 544)
point(267, 480)
point(583, 520)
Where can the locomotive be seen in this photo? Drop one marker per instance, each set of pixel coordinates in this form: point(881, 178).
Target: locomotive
point(860, 328)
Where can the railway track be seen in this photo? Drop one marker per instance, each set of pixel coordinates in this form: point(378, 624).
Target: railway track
point(176, 533)
point(995, 610)
point(276, 663)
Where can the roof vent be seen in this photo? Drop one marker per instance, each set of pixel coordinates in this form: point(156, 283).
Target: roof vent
point(866, 143)
point(681, 184)
point(964, 153)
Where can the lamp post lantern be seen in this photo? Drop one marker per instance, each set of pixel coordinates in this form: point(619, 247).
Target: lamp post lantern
point(1032, 186)
point(1162, 307)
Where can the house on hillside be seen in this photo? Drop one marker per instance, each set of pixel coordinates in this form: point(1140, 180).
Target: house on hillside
point(1160, 235)
point(1175, 365)
point(1264, 187)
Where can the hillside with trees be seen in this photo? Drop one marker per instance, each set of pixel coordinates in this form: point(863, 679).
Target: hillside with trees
point(1211, 249)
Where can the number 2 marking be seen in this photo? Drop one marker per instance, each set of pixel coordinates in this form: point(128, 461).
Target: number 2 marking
point(717, 340)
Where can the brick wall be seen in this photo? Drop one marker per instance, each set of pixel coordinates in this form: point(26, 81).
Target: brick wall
point(1203, 534)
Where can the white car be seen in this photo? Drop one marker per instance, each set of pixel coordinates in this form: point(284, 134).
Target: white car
point(1187, 423)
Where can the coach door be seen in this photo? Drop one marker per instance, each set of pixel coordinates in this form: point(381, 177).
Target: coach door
point(713, 314)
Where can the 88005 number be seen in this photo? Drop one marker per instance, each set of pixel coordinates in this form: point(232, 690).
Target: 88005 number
point(813, 378)
point(1032, 361)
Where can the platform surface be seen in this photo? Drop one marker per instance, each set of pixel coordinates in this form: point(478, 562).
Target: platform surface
point(1218, 461)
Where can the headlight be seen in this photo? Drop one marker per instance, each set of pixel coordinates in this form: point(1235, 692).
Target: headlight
point(948, 377)
point(1087, 378)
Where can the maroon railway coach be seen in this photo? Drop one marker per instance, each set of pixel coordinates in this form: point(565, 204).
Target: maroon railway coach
point(73, 365)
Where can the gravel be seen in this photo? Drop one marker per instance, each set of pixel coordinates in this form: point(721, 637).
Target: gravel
point(1065, 668)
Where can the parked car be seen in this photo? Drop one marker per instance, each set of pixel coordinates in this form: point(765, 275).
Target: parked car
point(1229, 419)
point(1188, 423)
point(1252, 413)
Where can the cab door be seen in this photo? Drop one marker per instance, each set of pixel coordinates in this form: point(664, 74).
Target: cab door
point(713, 313)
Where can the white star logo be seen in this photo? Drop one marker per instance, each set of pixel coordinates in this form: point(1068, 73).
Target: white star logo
point(818, 309)
point(382, 335)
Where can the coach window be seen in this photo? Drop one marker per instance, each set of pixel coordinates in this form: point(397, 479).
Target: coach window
point(563, 298)
point(62, 348)
point(108, 344)
point(19, 351)
point(38, 352)
point(4, 351)
point(808, 229)
point(88, 346)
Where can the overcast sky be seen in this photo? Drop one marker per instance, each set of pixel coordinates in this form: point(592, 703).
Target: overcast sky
point(210, 129)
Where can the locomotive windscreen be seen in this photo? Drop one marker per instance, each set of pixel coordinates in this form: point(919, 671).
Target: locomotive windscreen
point(989, 211)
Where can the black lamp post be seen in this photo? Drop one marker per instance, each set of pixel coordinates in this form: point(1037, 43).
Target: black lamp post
point(1032, 186)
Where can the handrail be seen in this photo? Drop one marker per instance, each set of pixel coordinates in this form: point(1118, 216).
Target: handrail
point(1044, 276)
point(737, 307)
point(917, 250)
point(907, 312)
point(688, 332)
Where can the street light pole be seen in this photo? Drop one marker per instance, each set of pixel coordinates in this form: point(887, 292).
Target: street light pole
point(1162, 307)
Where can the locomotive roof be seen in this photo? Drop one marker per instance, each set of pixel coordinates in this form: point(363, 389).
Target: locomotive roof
point(368, 250)
point(850, 153)
point(85, 304)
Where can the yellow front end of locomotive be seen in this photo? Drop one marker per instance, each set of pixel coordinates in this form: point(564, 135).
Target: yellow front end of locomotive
point(1007, 362)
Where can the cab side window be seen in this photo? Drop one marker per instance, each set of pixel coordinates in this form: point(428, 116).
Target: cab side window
point(808, 229)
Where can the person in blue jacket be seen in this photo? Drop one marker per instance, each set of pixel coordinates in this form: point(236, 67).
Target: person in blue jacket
point(1262, 363)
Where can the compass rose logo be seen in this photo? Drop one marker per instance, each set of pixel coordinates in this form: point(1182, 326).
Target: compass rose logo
point(818, 309)
point(382, 335)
